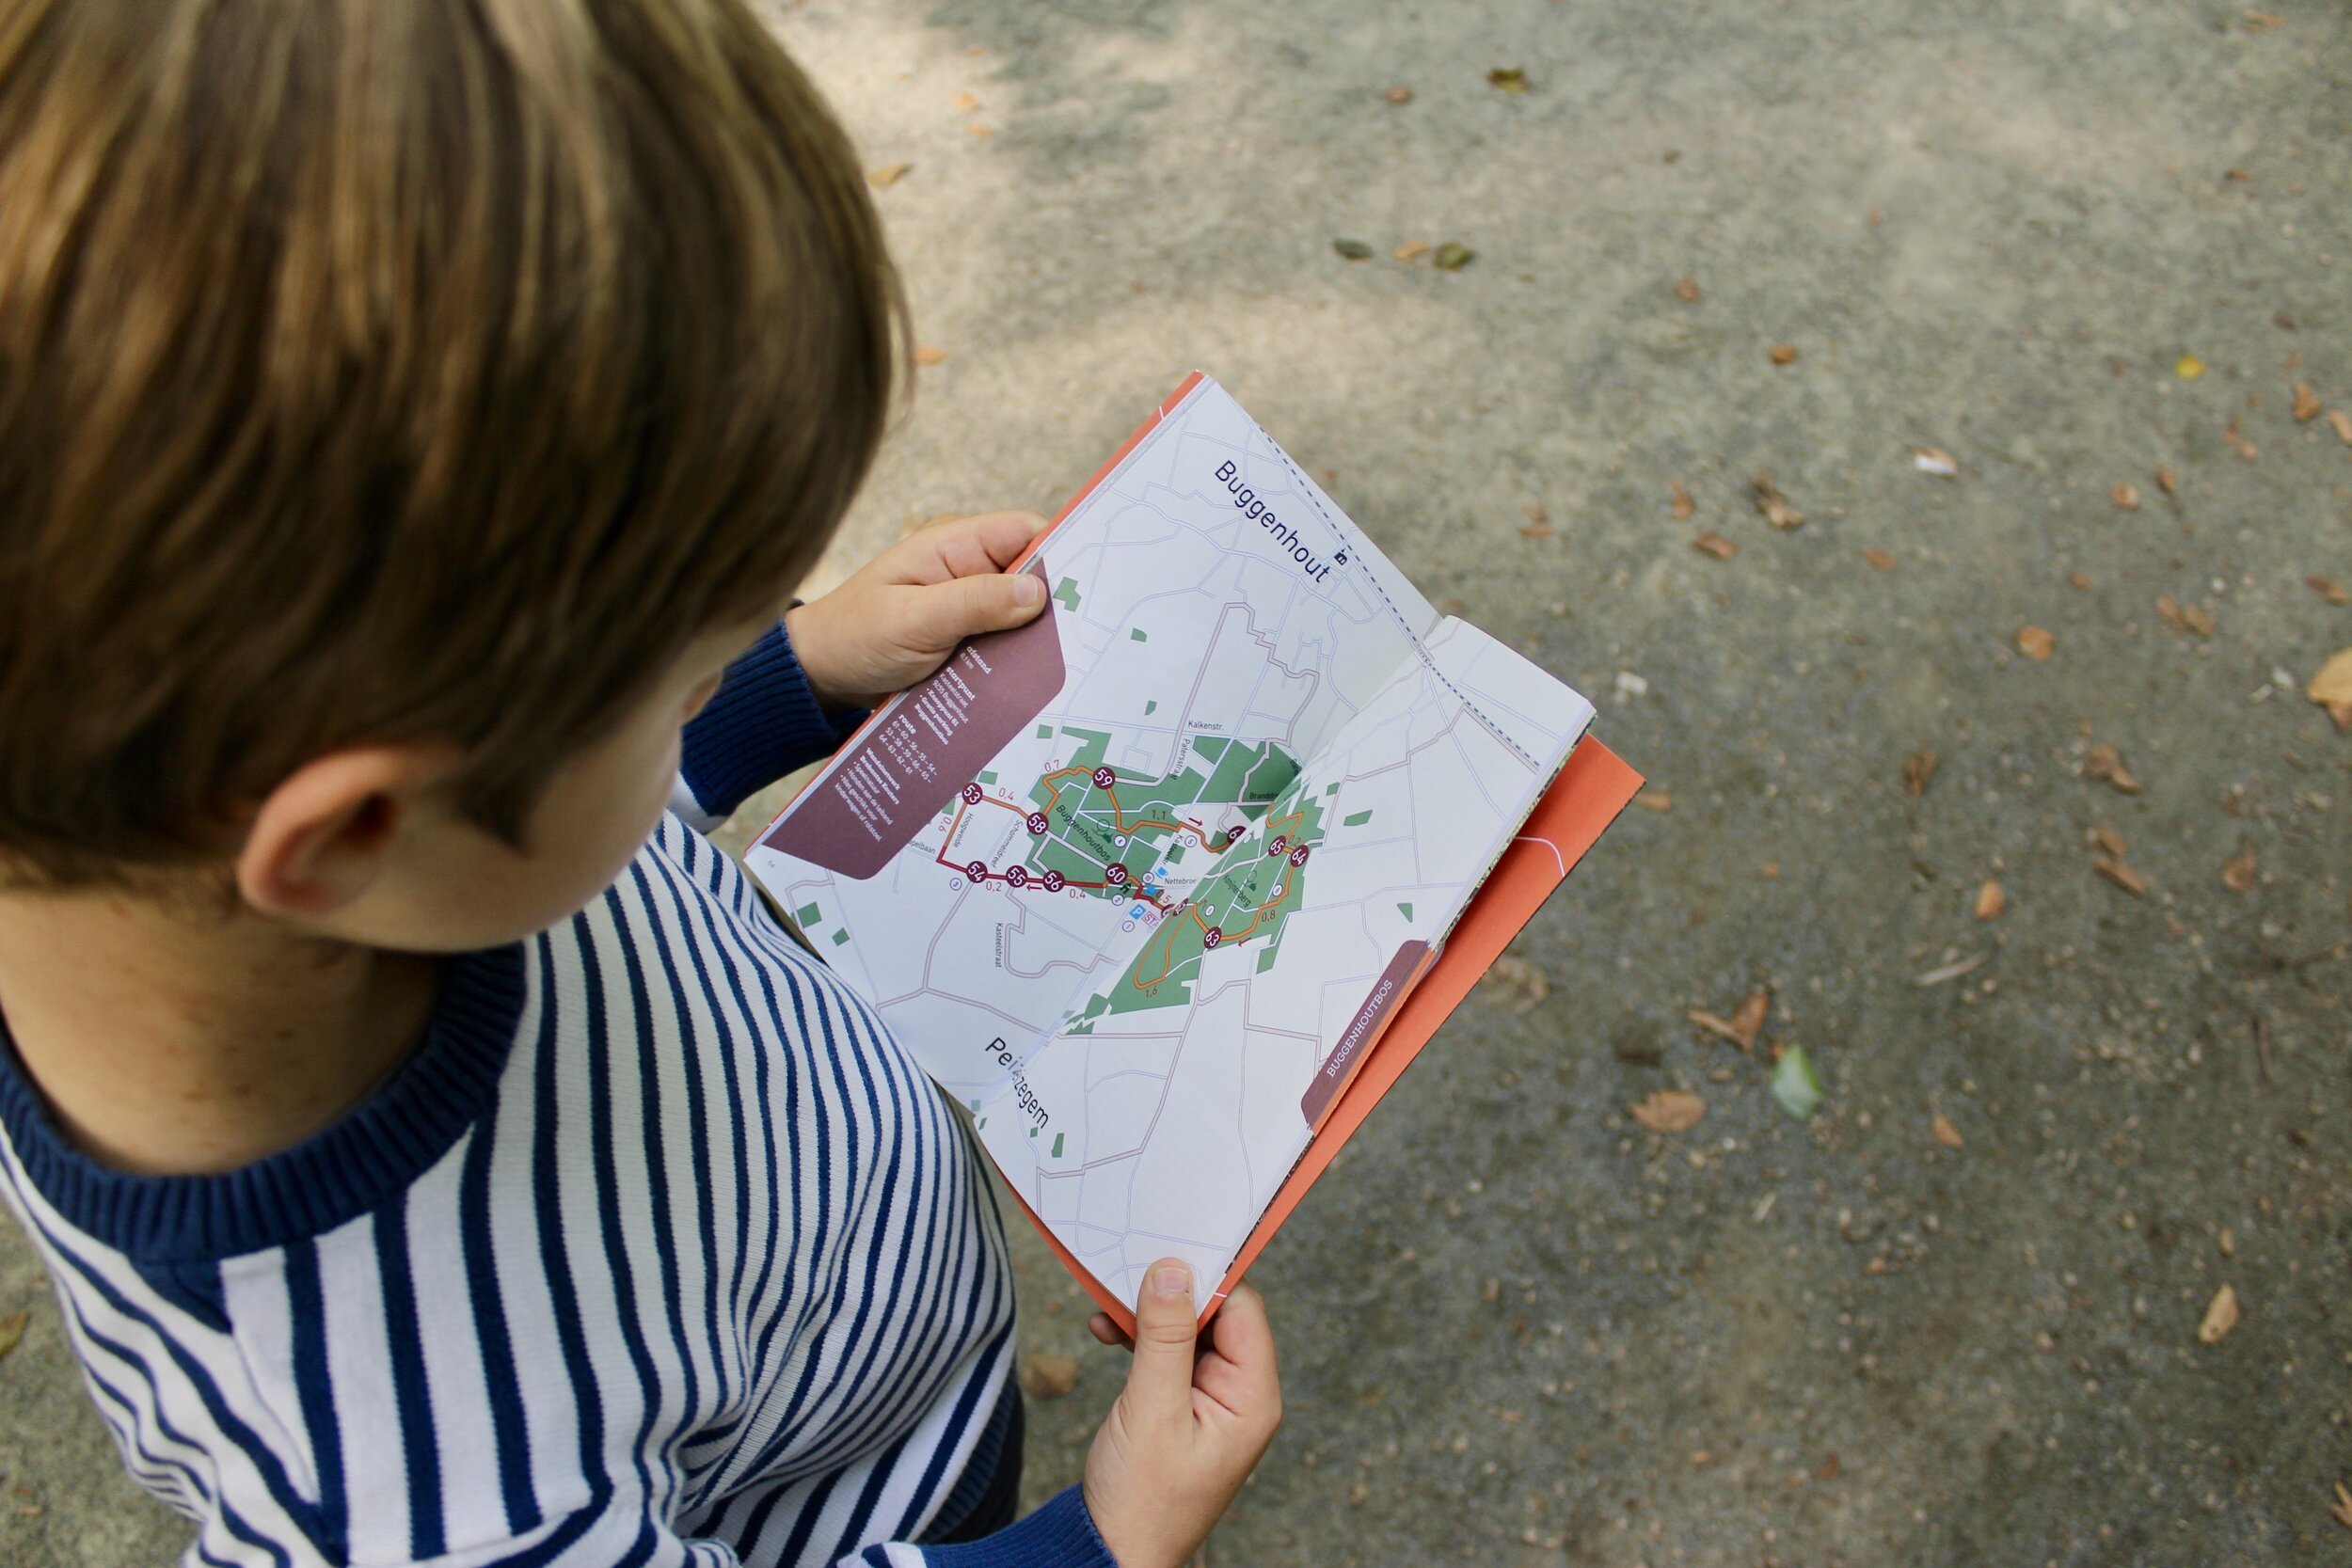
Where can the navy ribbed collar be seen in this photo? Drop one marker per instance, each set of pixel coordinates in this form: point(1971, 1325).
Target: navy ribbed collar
point(360, 1163)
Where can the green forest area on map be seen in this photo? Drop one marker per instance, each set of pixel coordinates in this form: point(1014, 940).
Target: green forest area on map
point(1258, 879)
point(1122, 839)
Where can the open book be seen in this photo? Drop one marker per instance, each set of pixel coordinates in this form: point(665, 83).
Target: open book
point(1148, 883)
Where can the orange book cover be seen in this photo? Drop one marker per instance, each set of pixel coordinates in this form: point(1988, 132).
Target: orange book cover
point(1593, 787)
point(854, 833)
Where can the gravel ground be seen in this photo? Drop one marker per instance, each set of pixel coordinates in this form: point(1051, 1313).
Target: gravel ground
point(1517, 1327)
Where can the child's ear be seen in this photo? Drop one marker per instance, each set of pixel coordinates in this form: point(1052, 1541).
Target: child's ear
point(326, 833)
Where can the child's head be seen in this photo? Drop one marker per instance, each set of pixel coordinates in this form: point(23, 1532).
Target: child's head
point(448, 383)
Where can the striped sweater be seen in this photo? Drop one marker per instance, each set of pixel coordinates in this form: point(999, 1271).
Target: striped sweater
point(657, 1249)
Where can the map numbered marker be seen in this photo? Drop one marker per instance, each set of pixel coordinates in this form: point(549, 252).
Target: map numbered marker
point(1259, 776)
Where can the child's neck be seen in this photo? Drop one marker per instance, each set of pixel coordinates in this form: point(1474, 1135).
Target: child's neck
point(171, 1043)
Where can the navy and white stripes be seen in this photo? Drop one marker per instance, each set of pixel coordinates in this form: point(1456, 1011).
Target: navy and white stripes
point(658, 1250)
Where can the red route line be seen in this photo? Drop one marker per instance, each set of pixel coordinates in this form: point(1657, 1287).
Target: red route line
point(1168, 961)
point(1053, 801)
point(1038, 882)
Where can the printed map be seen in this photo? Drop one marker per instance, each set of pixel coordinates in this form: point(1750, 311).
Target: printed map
point(1137, 882)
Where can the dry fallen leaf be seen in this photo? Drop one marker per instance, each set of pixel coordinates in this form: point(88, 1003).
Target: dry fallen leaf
point(1942, 1130)
point(2329, 589)
point(2124, 494)
point(927, 353)
point(1048, 1377)
point(1516, 973)
point(2238, 872)
point(2238, 176)
point(2236, 440)
point(2333, 684)
point(1400, 94)
point(1670, 1111)
point(1936, 461)
point(888, 174)
point(1715, 1024)
point(965, 103)
point(1538, 524)
point(1784, 354)
point(2121, 876)
point(2222, 1315)
point(1410, 251)
point(2341, 423)
point(12, 1330)
point(2193, 620)
point(1716, 545)
point(1775, 507)
point(2168, 482)
point(2036, 643)
point(1687, 290)
point(1918, 768)
point(1654, 800)
point(1507, 78)
point(2106, 839)
point(1991, 900)
point(1749, 1019)
point(2104, 763)
point(2306, 403)
point(2331, 689)
point(2340, 1510)
point(1745, 1022)
point(1958, 969)
point(2188, 367)
point(1878, 559)
point(1683, 504)
point(2260, 22)
point(1829, 1470)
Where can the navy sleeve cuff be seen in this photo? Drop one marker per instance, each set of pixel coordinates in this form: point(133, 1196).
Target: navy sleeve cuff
point(1059, 1535)
point(763, 722)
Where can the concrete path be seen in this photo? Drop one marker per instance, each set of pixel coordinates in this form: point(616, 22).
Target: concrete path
point(1517, 1327)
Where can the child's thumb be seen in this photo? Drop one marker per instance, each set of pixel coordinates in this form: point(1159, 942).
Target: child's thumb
point(1159, 1383)
point(993, 601)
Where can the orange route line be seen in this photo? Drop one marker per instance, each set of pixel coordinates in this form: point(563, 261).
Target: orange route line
point(1119, 824)
point(1168, 961)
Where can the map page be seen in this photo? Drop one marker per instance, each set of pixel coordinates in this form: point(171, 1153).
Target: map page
point(1140, 882)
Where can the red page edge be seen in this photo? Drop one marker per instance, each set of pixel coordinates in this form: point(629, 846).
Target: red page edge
point(1593, 786)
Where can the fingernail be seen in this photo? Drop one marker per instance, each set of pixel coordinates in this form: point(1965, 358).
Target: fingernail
point(1027, 591)
point(1174, 1279)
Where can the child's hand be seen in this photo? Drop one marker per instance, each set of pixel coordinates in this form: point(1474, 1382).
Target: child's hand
point(903, 612)
point(1185, 1433)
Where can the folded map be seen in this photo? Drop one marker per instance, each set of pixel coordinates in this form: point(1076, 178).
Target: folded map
point(1145, 882)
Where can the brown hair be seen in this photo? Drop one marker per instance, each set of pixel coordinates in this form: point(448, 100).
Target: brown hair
point(377, 370)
